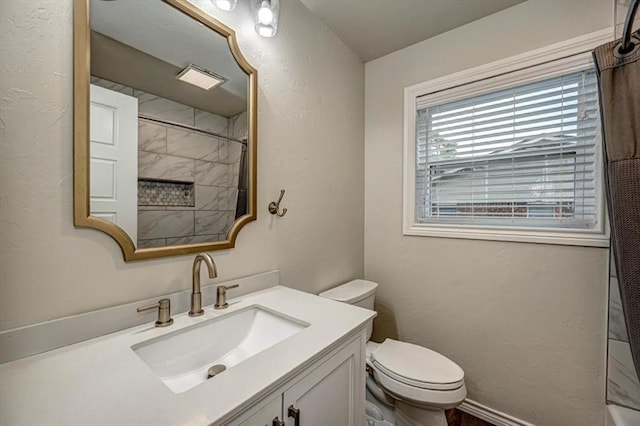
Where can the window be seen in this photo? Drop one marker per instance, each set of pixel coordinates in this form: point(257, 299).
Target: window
point(513, 157)
point(492, 158)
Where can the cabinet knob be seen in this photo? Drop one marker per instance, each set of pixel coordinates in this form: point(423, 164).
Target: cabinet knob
point(277, 422)
point(295, 414)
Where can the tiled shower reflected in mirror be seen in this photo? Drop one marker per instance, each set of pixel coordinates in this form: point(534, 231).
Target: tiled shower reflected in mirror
point(187, 179)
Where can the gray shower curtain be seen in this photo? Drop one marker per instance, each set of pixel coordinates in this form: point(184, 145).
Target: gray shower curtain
point(619, 84)
point(243, 183)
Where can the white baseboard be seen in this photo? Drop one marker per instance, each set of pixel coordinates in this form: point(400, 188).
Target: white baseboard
point(490, 415)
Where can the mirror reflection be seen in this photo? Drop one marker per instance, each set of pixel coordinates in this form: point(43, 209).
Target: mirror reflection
point(168, 125)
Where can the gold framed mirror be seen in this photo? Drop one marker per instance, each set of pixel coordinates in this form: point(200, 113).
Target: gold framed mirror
point(165, 127)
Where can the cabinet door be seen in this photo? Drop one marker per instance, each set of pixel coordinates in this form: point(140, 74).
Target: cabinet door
point(264, 415)
point(330, 394)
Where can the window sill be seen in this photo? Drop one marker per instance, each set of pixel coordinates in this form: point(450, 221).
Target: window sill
point(524, 235)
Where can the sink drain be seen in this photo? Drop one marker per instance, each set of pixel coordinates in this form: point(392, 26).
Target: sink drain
point(215, 370)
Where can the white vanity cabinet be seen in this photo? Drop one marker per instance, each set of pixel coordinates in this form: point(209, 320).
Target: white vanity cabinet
point(318, 370)
point(266, 413)
point(330, 392)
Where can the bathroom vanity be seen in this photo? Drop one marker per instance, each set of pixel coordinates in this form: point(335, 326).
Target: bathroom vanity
point(289, 358)
point(325, 393)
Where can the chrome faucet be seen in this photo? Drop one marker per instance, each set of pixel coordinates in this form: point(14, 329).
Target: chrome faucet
point(196, 296)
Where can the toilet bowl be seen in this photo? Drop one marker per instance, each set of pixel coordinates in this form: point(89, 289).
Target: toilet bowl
point(422, 382)
point(408, 385)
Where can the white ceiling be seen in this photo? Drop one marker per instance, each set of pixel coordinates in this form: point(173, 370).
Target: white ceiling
point(374, 28)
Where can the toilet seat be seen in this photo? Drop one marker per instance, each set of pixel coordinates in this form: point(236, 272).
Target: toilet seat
point(435, 380)
point(443, 399)
point(416, 366)
point(418, 384)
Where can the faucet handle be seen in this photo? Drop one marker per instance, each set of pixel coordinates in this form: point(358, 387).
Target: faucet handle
point(229, 287)
point(164, 312)
point(221, 296)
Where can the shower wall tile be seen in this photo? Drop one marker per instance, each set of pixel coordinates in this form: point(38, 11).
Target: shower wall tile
point(240, 126)
point(158, 242)
point(223, 198)
point(234, 151)
point(180, 208)
point(233, 201)
point(164, 224)
point(211, 122)
point(195, 239)
point(166, 167)
point(151, 207)
point(234, 175)
point(211, 222)
point(163, 109)
point(152, 137)
point(207, 197)
point(623, 387)
point(231, 218)
point(223, 151)
point(617, 324)
point(192, 145)
point(107, 84)
point(227, 199)
point(212, 174)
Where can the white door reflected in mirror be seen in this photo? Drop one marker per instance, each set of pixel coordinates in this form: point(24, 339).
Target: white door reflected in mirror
point(114, 158)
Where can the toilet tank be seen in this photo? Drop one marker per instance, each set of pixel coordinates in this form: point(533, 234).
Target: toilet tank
point(358, 293)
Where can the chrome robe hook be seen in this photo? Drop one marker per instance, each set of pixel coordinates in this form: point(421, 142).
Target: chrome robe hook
point(274, 206)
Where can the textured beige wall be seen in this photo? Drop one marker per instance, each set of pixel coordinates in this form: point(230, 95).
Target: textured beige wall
point(525, 321)
point(311, 100)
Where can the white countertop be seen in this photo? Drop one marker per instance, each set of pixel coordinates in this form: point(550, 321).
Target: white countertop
point(103, 382)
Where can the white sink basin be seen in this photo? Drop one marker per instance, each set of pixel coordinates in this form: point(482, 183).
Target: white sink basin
point(182, 358)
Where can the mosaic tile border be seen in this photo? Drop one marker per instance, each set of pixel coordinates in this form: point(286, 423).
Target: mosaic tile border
point(166, 194)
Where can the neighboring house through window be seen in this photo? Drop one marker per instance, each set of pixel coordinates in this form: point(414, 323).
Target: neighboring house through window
point(511, 157)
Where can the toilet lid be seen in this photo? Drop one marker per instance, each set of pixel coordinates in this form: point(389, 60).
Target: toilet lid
point(417, 366)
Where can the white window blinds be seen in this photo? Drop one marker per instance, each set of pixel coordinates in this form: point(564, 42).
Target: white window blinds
point(524, 156)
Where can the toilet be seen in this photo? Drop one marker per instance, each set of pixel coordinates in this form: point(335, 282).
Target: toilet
point(407, 384)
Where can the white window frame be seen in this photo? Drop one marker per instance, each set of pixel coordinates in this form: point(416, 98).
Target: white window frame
point(561, 58)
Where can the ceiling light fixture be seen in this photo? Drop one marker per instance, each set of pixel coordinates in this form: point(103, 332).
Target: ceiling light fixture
point(226, 5)
point(266, 16)
point(200, 77)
